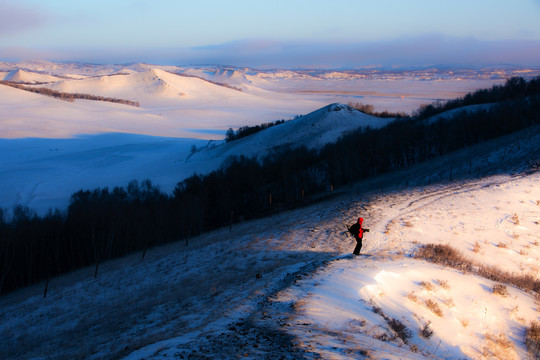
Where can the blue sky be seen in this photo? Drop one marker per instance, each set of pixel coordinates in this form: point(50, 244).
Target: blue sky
point(277, 33)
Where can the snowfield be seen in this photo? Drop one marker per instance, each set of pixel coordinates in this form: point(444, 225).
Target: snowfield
point(54, 169)
point(287, 286)
point(466, 318)
point(54, 148)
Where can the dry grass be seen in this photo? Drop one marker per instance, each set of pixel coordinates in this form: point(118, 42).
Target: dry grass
point(443, 284)
point(464, 322)
point(426, 332)
point(434, 307)
point(502, 245)
point(427, 286)
point(515, 219)
point(500, 289)
point(498, 347)
point(449, 303)
point(532, 339)
point(408, 224)
point(400, 329)
point(396, 325)
point(476, 247)
point(390, 226)
point(448, 256)
point(411, 296)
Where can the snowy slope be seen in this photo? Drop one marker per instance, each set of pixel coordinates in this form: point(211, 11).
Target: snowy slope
point(313, 130)
point(312, 300)
point(22, 76)
point(466, 317)
point(44, 173)
point(181, 104)
point(151, 87)
point(468, 109)
point(67, 165)
point(24, 114)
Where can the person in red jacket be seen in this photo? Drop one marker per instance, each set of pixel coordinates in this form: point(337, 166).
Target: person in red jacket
point(358, 232)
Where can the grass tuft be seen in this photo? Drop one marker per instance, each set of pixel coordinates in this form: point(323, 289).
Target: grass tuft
point(500, 289)
point(498, 347)
point(427, 286)
point(434, 307)
point(515, 219)
point(447, 256)
point(426, 332)
point(411, 296)
point(400, 329)
point(443, 284)
point(532, 339)
point(397, 326)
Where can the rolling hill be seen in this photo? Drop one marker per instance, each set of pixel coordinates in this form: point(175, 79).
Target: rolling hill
point(67, 165)
point(286, 286)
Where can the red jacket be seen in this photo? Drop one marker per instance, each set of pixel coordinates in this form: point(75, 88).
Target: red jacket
point(356, 229)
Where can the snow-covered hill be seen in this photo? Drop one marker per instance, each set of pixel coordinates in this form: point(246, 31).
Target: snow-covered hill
point(184, 106)
point(287, 287)
point(22, 76)
point(153, 87)
point(54, 169)
point(314, 130)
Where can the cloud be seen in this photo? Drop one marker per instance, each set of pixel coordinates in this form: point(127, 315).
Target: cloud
point(17, 53)
point(413, 51)
point(419, 51)
point(16, 18)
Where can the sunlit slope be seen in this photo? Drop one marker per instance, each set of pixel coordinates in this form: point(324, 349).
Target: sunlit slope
point(24, 114)
point(170, 105)
point(151, 87)
point(23, 76)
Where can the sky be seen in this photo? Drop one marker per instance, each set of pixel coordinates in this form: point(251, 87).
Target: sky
point(277, 33)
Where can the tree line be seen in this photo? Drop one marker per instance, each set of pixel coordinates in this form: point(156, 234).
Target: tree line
point(105, 223)
point(370, 110)
point(515, 87)
point(244, 131)
point(71, 97)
